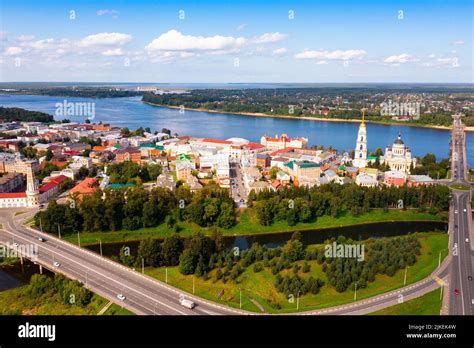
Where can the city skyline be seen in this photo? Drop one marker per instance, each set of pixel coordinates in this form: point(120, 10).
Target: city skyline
point(306, 42)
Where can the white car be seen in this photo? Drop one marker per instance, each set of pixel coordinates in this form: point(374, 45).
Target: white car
point(465, 210)
point(456, 211)
point(56, 264)
point(121, 297)
point(467, 240)
point(41, 239)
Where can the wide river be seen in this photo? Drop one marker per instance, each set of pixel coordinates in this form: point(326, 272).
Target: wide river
point(132, 113)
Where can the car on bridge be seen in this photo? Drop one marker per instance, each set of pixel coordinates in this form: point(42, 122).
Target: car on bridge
point(56, 264)
point(121, 297)
point(456, 291)
point(41, 239)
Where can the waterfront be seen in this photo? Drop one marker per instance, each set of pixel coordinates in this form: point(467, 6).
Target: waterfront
point(132, 113)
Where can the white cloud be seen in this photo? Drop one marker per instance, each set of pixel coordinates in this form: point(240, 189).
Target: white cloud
point(332, 55)
point(13, 51)
point(321, 62)
point(25, 37)
point(41, 44)
point(270, 37)
point(432, 55)
point(173, 40)
point(400, 59)
point(458, 42)
point(113, 52)
point(105, 39)
point(280, 51)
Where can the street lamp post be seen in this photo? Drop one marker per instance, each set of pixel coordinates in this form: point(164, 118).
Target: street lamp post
point(41, 226)
point(100, 246)
point(240, 304)
point(355, 291)
point(166, 275)
point(405, 279)
point(298, 301)
point(78, 239)
point(59, 231)
point(143, 265)
point(193, 284)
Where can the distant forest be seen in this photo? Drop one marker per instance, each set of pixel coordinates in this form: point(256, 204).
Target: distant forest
point(83, 92)
point(308, 101)
point(19, 114)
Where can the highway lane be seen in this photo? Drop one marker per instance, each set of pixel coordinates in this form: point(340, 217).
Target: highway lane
point(148, 295)
point(462, 289)
point(461, 285)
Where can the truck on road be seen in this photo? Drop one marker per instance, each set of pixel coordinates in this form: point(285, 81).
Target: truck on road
point(186, 303)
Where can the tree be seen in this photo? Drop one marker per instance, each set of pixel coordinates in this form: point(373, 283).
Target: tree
point(293, 250)
point(149, 250)
point(154, 170)
point(226, 217)
point(187, 262)
point(49, 155)
point(171, 249)
point(39, 285)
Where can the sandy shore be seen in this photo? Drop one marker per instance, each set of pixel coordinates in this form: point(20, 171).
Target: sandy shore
point(309, 118)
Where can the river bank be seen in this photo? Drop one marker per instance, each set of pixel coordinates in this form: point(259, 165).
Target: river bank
point(248, 226)
point(309, 118)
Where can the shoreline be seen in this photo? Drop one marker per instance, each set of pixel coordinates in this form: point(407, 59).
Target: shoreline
point(309, 118)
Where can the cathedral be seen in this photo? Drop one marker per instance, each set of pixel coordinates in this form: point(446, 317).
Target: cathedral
point(399, 156)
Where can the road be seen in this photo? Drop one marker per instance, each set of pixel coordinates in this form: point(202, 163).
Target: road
point(460, 283)
point(144, 295)
point(237, 188)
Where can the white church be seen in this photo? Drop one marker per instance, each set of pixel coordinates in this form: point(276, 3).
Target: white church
point(398, 157)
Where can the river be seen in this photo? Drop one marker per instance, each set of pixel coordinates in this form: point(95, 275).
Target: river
point(132, 113)
point(274, 240)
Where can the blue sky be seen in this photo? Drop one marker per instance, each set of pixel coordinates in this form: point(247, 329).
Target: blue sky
point(237, 41)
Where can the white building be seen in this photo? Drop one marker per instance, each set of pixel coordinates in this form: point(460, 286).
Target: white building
point(360, 156)
point(366, 180)
point(399, 156)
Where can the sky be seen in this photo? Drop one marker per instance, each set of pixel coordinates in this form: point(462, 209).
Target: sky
point(237, 41)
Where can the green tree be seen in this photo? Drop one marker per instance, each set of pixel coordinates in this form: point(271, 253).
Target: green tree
point(187, 262)
point(171, 249)
point(149, 250)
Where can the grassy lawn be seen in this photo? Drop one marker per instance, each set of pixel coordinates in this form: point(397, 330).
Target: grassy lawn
point(428, 304)
point(248, 224)
point(115, 309)
point(260, 288)
point(17, 301)
point(460, 187)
